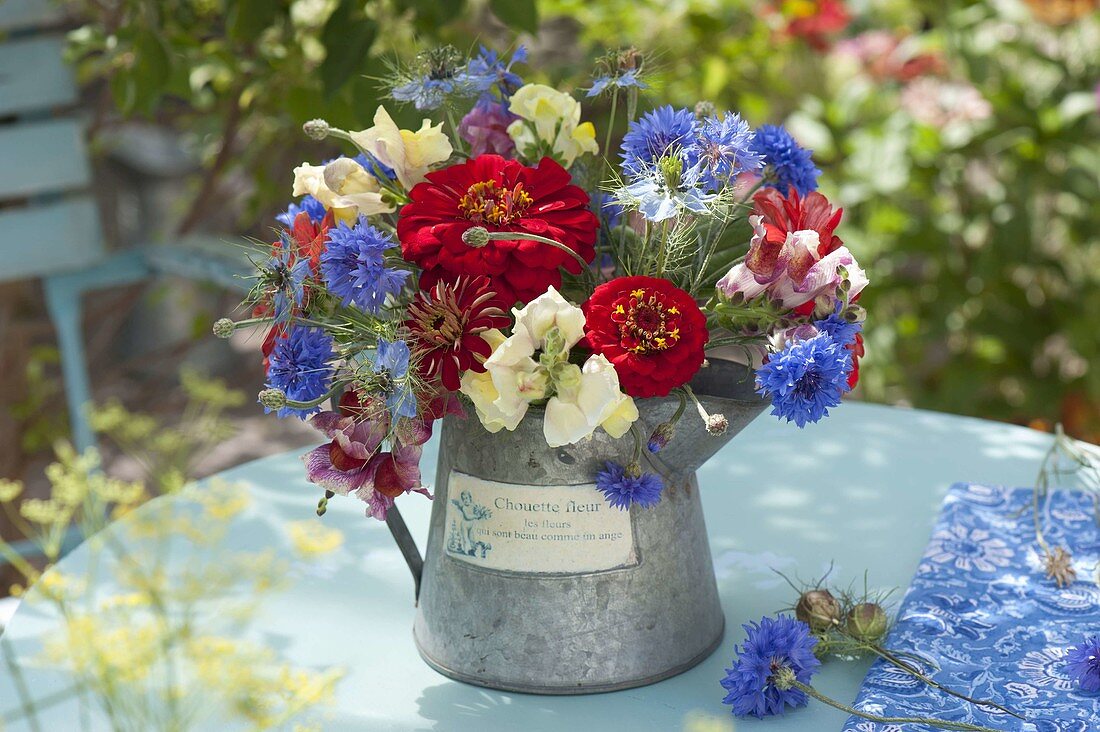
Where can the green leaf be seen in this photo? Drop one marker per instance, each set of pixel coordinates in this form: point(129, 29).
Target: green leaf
point(347, 37)
point(122, 91)
point(519, 14)
point(248, 18)
point(152, 69)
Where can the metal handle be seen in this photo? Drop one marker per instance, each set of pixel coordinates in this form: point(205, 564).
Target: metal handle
point(408, 548)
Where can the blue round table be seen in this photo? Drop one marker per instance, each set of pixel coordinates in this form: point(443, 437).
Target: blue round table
point(859, 491)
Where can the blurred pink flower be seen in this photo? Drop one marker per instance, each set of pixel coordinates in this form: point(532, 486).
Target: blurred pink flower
point(485, 127)
point(939, 103)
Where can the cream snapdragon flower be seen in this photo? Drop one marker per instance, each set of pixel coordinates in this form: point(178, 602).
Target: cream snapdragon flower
point(553, 118)
point(584, 398)
point(343, 186)
point(588, 398)
point(410, 154)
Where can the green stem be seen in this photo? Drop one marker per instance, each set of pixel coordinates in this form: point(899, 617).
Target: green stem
point(610, 125)
point(337, 388)
point(939, 723)
point(459, 143)
point(887, 655)
point(518, 235)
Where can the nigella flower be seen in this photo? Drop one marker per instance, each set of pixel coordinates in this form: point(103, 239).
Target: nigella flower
point(437, 76)
point(391, 364)
point(624, 486)
point(806, 378)
point(725, 148)
point(488, 69)
point(656, 134)
point(786, 163)
point(299, 367)
point(309, 205)
point(775, 651)
point(354, 266)
point(1083, 663)
point(842, 331)
point(286, 274)
point(667, 189)
point(622, 81)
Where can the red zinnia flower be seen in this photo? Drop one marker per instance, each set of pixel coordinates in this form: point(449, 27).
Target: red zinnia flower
point(445, 324)
point(499, 195)
point(650, 330)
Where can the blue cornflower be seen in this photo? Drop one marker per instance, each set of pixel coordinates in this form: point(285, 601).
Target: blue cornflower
point(299, 367)
point(354, 266)
point(392, 361)
point(805, 378)
point(667, 189)
point(1083, 663)
point(725, 150)
point(287, 278)
point(307, 203)
point(607, 209)
point(624, 487)
point(656, 133)
point(374, 166)
point(622, 81)
point(786, 162)
point(487, 69)
point(774, 650)
point(840, 329)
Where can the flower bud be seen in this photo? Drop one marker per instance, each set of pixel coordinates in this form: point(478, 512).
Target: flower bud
point(316, 129)
point(273, 398)
point(818, 609)
point(867, 622)
point(661, 437)
point(554, 342)
point(717, 424)
point(476, 237)
point(322, 506)
point(224, 327)
point(704, 109)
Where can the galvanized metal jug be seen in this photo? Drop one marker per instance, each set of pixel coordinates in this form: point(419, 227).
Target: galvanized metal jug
point(531, 582)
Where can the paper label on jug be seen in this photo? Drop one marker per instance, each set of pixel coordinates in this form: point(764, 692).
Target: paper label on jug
point(537, 529)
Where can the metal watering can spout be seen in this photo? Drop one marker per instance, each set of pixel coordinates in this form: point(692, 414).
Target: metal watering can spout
point(722, 387)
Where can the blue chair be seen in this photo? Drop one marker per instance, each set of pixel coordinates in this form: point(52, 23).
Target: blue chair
point(49, 224)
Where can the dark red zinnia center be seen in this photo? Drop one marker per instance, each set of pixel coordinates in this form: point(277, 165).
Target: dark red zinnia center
point(488, 202)
point(646, 324)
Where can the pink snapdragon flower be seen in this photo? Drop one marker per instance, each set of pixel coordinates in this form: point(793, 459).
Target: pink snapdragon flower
point(353, 463)
point(485, 127)
point(792, 273)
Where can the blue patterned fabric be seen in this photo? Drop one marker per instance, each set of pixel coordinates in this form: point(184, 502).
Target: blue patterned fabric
point(981, 610)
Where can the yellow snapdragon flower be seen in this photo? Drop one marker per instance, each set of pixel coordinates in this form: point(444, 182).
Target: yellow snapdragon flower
point(552, 119)
point(410, 154)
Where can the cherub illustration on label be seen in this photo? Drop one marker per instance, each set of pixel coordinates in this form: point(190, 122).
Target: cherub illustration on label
point(460, 537)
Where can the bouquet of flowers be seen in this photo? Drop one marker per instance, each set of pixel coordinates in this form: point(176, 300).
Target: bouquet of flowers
point(509, 261)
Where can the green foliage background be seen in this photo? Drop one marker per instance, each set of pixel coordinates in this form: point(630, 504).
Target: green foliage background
point(982, 237)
